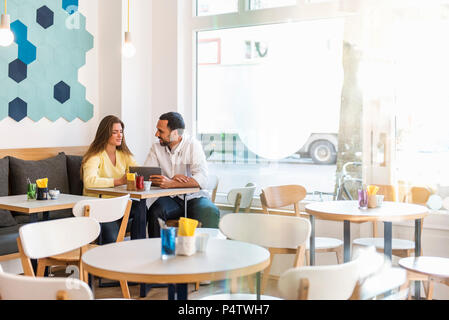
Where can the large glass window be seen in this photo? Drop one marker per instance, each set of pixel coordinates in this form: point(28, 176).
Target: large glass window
point(368, 78)
point(263, 4)
point(269, 103)
point(212, 7)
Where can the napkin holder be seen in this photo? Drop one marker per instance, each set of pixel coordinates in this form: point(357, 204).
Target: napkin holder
point(185, 246)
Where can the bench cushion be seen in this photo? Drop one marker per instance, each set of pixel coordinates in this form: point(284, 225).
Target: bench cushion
point(8, 239)
point(55, 169)
point(73, 171)
point(4, 170)
point(6, 219)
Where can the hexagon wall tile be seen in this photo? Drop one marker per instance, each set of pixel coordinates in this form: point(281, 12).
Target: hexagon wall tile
point(46, 55)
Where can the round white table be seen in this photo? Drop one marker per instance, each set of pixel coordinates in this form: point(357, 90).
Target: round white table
point(349, 211)
point(140, 261)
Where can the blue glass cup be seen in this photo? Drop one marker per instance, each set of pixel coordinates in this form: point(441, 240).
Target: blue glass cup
point(168, 243)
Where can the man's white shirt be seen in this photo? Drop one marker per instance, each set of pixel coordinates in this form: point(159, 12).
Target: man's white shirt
point(187, 158)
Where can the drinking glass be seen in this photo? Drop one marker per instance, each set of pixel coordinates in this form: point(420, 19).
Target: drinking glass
point(168, 243)
point(363, 199)
point(31, 191)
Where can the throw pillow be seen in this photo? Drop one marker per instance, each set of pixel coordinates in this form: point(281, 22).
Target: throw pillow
point(6, 219)
point(73, 170)
point(4, 170)
point(55, 169)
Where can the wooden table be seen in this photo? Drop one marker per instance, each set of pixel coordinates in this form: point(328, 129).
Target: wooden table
point(348, 211)
point(140, 261)
point(154, 192)
point(33, 207)
point(437, 268)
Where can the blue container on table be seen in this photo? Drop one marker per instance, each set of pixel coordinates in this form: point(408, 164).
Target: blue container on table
point(168, 243)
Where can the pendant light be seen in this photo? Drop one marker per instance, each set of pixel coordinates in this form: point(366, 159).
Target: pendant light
point(128, 48)
point(6, 35)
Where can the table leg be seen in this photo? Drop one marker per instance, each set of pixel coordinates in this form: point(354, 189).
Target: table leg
point(46, 215)
point(388, 229)
point(185, 206)
point(177, 291)
point(312, 241)
point(258, 285)
point(417, 254)
point(346, 240)
point(388, 246)
point(34, 217)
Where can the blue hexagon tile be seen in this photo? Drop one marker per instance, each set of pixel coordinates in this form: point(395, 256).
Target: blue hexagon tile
point(39, 71)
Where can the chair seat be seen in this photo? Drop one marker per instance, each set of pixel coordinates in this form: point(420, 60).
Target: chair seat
point(397, 244)
point(72, 256)
point(325, 243)
point(238, 296)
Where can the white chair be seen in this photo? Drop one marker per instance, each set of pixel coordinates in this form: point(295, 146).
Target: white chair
point(279, 234)
point(103, 211)
point(281, 196)
point(239, 198)
point(366, 277)
point(17, 287)
point(212, 186)
point(41, 240)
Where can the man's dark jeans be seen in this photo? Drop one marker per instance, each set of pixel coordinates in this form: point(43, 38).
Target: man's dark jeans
point(167, 208)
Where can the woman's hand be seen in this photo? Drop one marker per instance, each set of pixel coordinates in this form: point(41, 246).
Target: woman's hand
point(121, 181)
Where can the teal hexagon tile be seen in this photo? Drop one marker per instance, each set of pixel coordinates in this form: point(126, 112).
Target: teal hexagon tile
point(69, 110)
point(52, 110)
point(8, 54)
point(77, 60)
point(51, 65)
point(10, 89)
point(85, 110)
point(3, 108)
point(78, 91)
point(86, 41)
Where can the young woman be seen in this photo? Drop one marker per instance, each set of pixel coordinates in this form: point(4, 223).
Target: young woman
point(105, 164)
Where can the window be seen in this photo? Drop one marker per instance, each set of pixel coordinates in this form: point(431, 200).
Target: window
point(263, 4)
point(212, 7)
point(372, 75)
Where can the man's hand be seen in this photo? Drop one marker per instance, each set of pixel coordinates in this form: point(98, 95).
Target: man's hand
point(162, 181)
point(181, 178)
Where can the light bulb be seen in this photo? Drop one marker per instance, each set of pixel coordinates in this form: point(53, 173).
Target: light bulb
point(6, 35)
point(128, 50)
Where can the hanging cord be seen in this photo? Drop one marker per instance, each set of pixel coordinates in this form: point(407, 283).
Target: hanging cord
point(128, 15)
point(6, 7)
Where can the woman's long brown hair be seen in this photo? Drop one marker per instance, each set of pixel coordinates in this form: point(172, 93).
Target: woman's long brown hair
point(104, 132)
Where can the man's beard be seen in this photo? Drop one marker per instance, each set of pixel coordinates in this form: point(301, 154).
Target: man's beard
point(164, 143)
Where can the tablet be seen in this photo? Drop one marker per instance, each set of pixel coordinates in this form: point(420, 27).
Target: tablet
point(146, 172)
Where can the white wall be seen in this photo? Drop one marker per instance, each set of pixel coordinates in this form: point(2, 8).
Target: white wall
point(136, 80)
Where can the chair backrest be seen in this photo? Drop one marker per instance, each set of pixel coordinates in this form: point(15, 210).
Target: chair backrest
point(388, 191)
point(329, 282)
point(49, 238)
point(270, 231)
point(419, 195)
point(242, 197)
point(17, 287)
point(281, 196)
point(102, 209)
point(212, 186)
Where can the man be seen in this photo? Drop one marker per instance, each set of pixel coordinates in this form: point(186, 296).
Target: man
point(183, 165)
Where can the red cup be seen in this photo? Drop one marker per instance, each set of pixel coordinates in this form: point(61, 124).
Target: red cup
point(139, 183)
